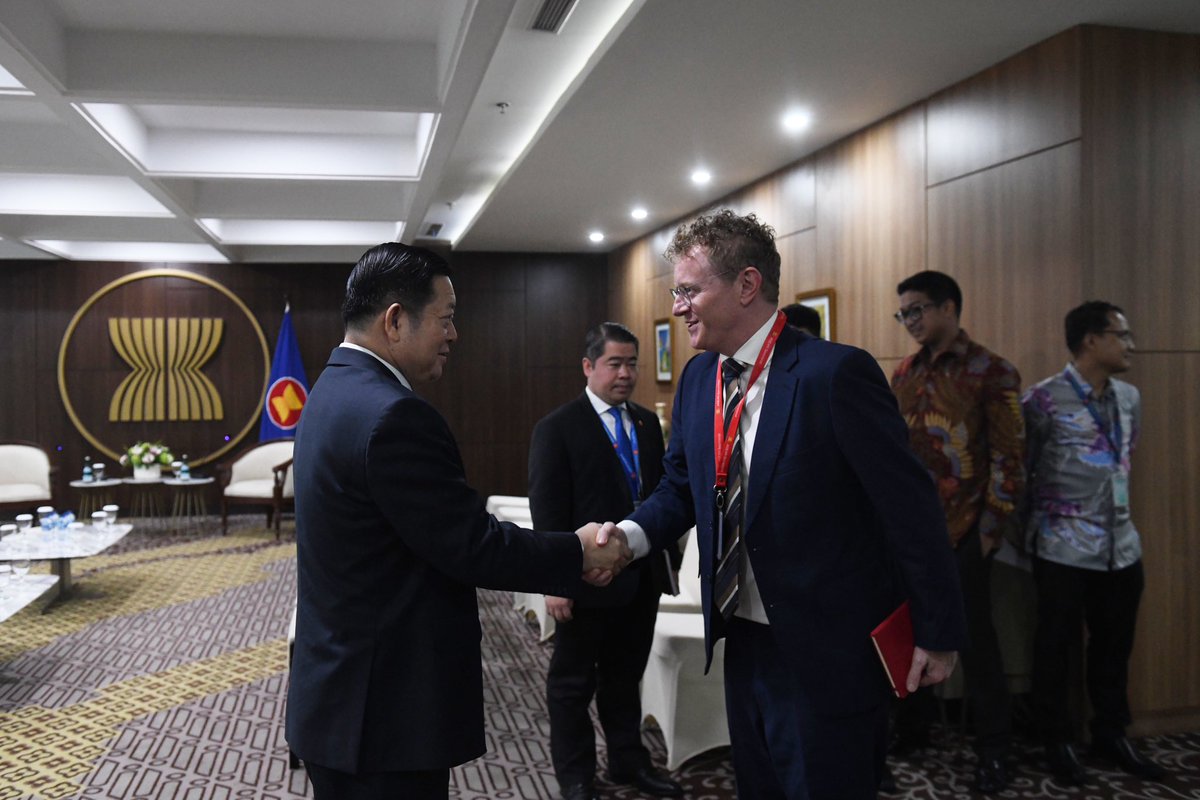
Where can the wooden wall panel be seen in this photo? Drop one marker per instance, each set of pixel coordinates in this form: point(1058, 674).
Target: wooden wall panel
point(1165, 672)
point(1142, 180)
point(871, 226)
point(1023, 105)
point(1034, 201)
point(18, 330)
point(1010, 236)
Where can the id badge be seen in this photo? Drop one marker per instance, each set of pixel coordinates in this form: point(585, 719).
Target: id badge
point(1120, 489)
point(718, 523)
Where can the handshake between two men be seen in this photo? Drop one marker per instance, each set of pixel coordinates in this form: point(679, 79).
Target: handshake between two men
point(605, 552)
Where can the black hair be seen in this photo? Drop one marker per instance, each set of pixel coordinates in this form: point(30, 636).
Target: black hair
point(1091, 317)
point(937, 286)
point(391, 273)
point(593, 345)
point(806, 318)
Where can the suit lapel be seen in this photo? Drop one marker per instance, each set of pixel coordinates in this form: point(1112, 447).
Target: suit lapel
point(595, 427)
point(778, 405)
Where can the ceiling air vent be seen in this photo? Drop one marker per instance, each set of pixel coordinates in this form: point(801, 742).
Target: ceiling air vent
point(553, 15)
point(433, 230)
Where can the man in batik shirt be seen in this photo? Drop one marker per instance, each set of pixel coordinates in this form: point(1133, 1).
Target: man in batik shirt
point(961, 402)
point(1087, 556)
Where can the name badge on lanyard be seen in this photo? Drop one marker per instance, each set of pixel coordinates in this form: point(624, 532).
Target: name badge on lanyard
point(1120, 489)
point(1119, 479)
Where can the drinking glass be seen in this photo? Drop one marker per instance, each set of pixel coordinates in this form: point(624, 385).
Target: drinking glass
point(24, 522)
point(100, 519)
point(111, 511)
point(20, 568)
point(98, 471)
point(43, 513)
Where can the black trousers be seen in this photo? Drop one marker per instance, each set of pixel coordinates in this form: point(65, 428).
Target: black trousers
point(782, 748)
point(600, 652)
point(332, 784)
point(1107, 602)
point(982, 661)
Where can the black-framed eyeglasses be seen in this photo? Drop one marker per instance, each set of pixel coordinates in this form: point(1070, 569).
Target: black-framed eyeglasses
point(912, 313)
point(1125, 336)
point(685, 294)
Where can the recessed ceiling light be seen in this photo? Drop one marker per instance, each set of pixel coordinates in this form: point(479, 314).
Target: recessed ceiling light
point(596, 236)
point(701, 177)
point(639, 213)
point(796, 120)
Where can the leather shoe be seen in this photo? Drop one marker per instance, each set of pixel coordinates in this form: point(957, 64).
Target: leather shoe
point(990, 776)
point(1122, 752)
point(651, 781)
point(579, 791)
point(1064, 765)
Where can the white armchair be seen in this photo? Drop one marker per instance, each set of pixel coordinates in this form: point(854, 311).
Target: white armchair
point(261, 475)
point(25, 476)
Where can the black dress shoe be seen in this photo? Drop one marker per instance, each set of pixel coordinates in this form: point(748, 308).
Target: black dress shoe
point(649, 780)
point(887, 781)
point(990, 776)
point(1122, 753)
point(579, 791)
point(1064, 765)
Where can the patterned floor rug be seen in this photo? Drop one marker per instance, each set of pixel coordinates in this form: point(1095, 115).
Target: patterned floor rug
point(163, 676)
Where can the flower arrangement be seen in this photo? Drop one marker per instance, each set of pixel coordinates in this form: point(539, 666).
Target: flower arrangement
point(147, 454)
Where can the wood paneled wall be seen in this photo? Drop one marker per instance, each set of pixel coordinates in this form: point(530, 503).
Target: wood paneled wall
point(1067, 172)
point(521, 322)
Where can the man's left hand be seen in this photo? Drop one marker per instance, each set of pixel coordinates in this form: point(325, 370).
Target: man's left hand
point(930, 667)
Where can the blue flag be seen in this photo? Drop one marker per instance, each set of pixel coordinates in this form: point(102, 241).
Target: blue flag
point(287, 390)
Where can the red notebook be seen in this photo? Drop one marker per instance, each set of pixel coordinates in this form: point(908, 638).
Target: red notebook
point(893, 640)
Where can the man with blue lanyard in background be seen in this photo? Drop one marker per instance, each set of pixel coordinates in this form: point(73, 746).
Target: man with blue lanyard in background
point(596, 458)
point(1081, 428)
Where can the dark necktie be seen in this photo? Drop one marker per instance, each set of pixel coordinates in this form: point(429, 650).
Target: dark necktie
point(725, 585)
point(625, 448)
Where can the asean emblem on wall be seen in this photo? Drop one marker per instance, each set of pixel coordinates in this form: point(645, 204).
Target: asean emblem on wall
point(168, 355)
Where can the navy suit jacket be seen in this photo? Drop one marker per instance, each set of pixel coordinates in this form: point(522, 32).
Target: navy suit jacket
point(576, 477)
point(842, 521)
point(391, 543)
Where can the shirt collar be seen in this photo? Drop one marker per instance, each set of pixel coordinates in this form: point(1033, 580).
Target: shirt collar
point(1088, 389)
point(957, 349)
point(391, 367)
point(747, 354)
point(598, 404)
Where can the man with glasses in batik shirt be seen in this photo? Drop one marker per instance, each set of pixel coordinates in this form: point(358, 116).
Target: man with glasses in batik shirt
point(961, 403)
point(1087, 556)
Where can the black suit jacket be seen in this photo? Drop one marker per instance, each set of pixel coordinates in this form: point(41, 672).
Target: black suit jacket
point(391, 543)
point(842, 520)
point(576, 477)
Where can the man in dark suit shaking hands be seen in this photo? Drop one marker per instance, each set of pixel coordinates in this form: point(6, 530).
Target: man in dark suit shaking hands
point(813, 518)
point(596, 458)
point(386, 689)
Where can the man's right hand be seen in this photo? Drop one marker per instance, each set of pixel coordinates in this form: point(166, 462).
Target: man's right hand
point(559, 607)
point(605, 552)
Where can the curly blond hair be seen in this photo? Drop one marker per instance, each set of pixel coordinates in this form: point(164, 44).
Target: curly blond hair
point(731, 242)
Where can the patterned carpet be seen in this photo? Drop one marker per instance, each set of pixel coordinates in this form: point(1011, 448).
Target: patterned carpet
point(163, 676)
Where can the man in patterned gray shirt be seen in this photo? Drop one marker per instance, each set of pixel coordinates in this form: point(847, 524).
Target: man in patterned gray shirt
point(1081, 428)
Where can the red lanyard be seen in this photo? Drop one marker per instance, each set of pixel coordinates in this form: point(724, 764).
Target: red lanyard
point(723, 439)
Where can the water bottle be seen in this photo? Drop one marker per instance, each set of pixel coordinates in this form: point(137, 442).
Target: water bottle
point(88, 477)
point(185, 474)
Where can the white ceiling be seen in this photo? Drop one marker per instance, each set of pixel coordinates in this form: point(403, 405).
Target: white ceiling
point(305, 130)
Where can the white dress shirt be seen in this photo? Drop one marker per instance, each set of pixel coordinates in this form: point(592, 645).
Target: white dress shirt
point(750, 605)
point(391, 367)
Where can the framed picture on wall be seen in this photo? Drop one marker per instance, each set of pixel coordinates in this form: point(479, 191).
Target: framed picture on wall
point(824, 302)
point(662, 350)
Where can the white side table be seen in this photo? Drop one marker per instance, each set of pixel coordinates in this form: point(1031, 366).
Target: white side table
point(94, 495)
point(190, 501)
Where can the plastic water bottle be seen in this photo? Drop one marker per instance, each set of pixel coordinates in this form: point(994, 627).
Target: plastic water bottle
point(185, 474)
point(88, 477)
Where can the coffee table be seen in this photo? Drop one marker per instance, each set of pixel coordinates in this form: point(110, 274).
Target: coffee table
point(18, 594)
point(60, 547)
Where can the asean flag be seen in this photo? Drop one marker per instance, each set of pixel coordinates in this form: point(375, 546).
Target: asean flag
point(287, 390)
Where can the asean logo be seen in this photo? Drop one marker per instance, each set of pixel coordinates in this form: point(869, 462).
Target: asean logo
point(285, 401)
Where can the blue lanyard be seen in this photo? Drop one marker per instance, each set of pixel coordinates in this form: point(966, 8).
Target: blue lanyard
point(1113, 436)
point(633, 472)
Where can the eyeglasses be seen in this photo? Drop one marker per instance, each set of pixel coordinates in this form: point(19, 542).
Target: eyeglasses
point(685, 294)
point(1125, 336)
point(912, 313)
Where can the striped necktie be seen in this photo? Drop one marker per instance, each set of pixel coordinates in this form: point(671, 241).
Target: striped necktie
point(725, 585)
